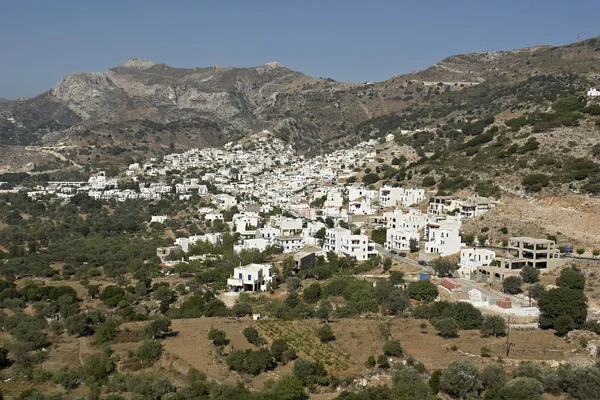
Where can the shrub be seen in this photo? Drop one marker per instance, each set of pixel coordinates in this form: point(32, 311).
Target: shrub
point(446, 327)
point(535, 182)
point(512, 285)
point(493, 325)
point(422, 291)
point(392, 348)
point(562, 302)
point(309, 373)
point(149, 350)
point(253, 337)
point(218, 337)
point(571, 278)
point(325, 333)
point(460, 379)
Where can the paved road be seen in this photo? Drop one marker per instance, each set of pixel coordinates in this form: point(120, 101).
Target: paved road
point(382, 250)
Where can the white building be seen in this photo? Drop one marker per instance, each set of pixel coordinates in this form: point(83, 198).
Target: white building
point(212, 217)
point(158, 218)
point(186, 242)
point(593, 92)
point(473, 258)
point(287, 226)
point(251, 278)
point(333, 239)
point(358, 246)
point(443, 242)
point(250, 244)
point(399, 239)
point(289, 244)
point(398, 196)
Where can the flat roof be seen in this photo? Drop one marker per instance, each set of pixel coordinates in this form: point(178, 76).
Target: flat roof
point(532, 240)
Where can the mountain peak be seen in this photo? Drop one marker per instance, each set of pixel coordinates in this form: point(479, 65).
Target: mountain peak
point(274, 64)
point(138, 63)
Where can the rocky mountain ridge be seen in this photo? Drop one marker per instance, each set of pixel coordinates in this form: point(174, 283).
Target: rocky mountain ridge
point(216, 104)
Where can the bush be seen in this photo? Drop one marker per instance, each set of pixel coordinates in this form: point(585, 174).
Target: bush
point(512, 285)
point(460, 379)
point(422, 291)
point(493, 376)
point(253, 337)
point(562, 302)
point(571, 278)
point(522, 389)
point(309, 373)
point(325, 333)
point(370, 178)
point(218, 337)
point(493, 325)
point(250, 362)
point(428, 181)
point(149, 350)
point(241, 309)
point(535, 182)
point(446, 327)
point(392, 348)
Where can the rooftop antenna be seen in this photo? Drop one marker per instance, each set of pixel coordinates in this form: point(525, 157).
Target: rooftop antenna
point(578, 37)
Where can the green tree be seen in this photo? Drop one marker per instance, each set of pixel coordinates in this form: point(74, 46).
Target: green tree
point(562, 302)
point(414, 245)
point(530, 274)
point(112, 295)
point(493, 376)
point(387, 264)
point(482, 239)
point(309, 373)
point(158, 327)
point(288, 266)
point(97, 367)
point(396, 278)
point(149, 350)
point(443, 266)
point(595, 253)
point(324, 310)
point(580, 251)
point(278, 347)
point(66, 377)
point(288, 388)
point(253, 337)
point(460, 379)
point(312, 294)
point(512, 285)
point(217, 337)
point(392, 348)
point(422, 291)
point(325, 333)
point(93, 291)
point(522, 389)
point(107, 331)
point(465, 315)
point(241, 309)
point(536, 290)
point(493, 325)
point(571, 278)
point(446, 327)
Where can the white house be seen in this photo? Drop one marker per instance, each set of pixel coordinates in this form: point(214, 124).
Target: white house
point(251, 278)
point(287, 226)
point(399, 239)
point(288, 243)
point(186, 242)
point(473, 258)
point(212, 217)
point(158, 218)
point(390, 196)
point(358, 246)
point(267, 233)
point(593, 92)
point(443, 242)
point(333, 239)
point(250, 244)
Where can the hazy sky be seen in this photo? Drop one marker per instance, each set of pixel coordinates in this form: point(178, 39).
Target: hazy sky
point(42, 41)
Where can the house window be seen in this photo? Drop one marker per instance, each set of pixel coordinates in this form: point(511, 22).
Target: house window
point(240, 276)
point(249, 277)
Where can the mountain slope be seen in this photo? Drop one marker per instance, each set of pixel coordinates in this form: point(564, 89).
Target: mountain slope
point(148, 107)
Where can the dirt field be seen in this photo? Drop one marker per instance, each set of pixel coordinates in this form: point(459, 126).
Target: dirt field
point(356, 340)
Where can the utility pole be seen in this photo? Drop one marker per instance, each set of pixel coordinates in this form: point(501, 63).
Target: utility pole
point(509, 345)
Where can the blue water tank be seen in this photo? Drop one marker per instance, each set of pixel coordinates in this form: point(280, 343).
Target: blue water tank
point(569, 248)
point(424, 276)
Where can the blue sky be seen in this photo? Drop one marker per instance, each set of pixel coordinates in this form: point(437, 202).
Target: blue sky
point(356, 41)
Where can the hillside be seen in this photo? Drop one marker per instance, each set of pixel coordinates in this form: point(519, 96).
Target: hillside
point(141, 108)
